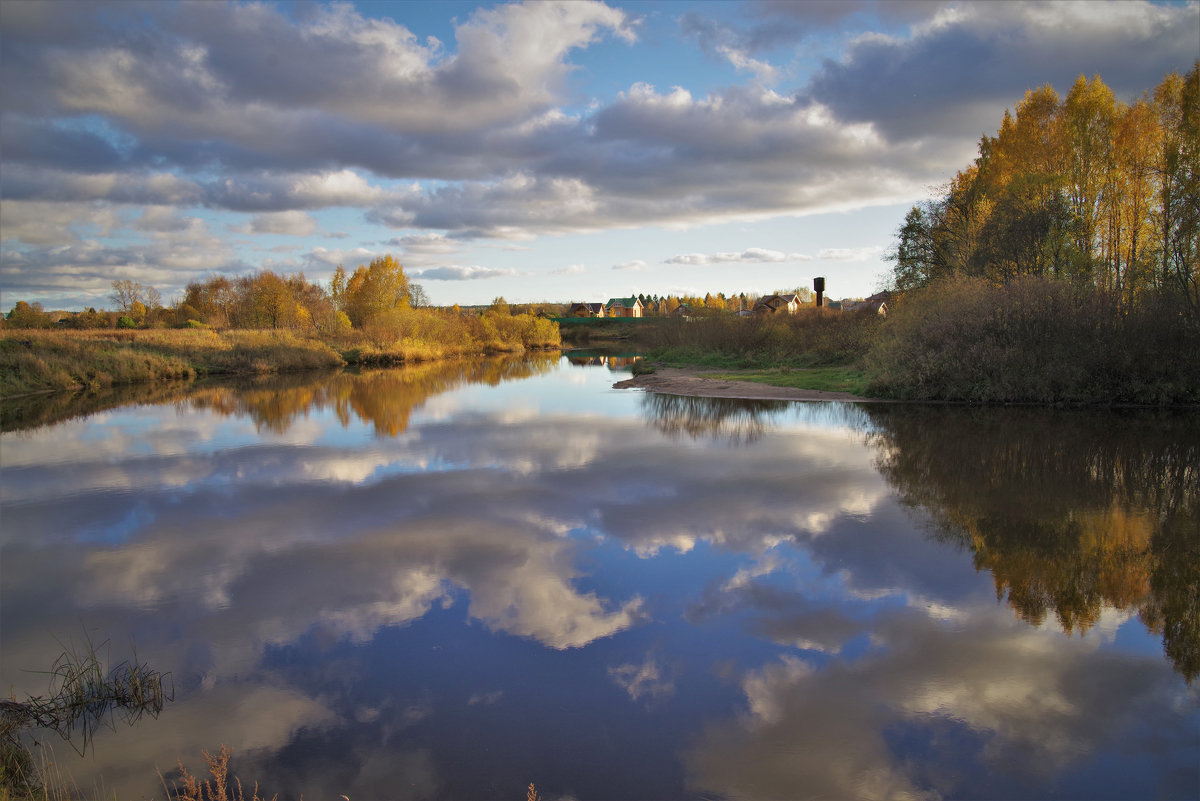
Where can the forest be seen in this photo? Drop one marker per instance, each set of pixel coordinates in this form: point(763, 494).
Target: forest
point(1083, 188)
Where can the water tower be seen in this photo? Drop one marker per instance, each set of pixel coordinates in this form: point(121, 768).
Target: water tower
point(819, 286)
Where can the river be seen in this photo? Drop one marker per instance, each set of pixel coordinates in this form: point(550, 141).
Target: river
point(453, 580)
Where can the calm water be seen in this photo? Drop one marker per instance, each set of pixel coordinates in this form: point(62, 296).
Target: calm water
point(452, 581)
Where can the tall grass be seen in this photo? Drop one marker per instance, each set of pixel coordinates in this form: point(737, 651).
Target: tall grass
point(39, 360)
point(812, 338)
point(35, 360)
point(83, 696)
point(220, 787)
point(1036, 341)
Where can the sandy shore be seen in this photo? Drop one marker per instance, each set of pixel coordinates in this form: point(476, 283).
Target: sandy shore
point(695, 382)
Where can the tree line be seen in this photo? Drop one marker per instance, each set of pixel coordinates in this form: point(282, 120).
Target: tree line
point(1084, 188)
point(262, 300)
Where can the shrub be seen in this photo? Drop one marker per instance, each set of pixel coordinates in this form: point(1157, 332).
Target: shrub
point(1033, 340)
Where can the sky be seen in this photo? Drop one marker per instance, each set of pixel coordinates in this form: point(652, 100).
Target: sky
point(536, 151)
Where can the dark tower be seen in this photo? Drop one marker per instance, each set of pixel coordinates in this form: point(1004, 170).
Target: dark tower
point(819, 286)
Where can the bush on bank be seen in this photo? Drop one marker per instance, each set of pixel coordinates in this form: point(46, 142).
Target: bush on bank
point(1037, 341)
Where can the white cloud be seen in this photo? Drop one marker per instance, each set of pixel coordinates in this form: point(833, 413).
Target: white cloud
point(642, 681)
point(243, 107)
point(631, 266)
point(288, 223)
point(456, 273)
point(850, 254)
point(749, 256)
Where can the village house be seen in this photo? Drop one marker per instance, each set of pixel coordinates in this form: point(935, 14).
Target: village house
point(586, 310)
point(876, 304)
point(777, 304)
point(623, 307)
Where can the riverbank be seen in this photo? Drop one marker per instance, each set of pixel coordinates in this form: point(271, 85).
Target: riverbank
point(1032, 341)
point(36, 361)
point(700, 383)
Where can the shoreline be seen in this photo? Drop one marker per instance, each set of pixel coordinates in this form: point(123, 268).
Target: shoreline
point(694, 382)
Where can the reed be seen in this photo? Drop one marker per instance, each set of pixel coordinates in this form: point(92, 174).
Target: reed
point(83, 697)
point(220, 787)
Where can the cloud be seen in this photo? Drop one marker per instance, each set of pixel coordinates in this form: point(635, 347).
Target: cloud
point(724, 42)
point(642, 681)
point(244, 108)
point(324, 258)
point(750, 256)
point(997, 690)
point(631, 266)
point(462, 273)
point(288, 223)
point(957, 67)
point(426, 244)
point(850, 254)
point(570, 269)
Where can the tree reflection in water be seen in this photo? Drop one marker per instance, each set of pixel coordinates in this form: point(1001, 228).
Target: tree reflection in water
point(384, 398)
point(1068, 510)
point(732, 419)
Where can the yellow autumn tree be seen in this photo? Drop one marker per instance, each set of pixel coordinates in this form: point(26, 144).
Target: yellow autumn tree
point(379, 287)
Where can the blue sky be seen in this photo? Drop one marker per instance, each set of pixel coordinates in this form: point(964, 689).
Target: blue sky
point(538, 151)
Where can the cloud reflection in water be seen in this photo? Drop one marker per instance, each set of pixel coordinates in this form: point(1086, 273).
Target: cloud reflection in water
point(629, 572)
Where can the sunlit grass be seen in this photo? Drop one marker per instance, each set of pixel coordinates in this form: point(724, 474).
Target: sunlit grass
point(825, 379)
point(36, 361)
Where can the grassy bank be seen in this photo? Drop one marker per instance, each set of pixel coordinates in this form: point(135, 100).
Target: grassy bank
point(41, 360)
point(825, 379)
point(813, 338)
point(35, 360)
point(964, 340)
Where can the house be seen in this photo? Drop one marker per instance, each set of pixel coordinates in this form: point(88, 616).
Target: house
point(876, 304)
point(777, 304)
point(586, 310)
point(682, 310)
point(623, 307)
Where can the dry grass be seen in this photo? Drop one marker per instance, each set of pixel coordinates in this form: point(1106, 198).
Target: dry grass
point(83, 697)
point(36, 361)
point(1034, 341)
point(812, 338)
point(218, 788)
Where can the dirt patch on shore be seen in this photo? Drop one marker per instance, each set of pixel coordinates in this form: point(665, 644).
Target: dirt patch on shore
point(698, 383)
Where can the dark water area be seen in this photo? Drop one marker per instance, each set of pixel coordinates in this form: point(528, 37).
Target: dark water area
point(453, 580)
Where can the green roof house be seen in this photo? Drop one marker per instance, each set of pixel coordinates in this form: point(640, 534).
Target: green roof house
point(623, 307)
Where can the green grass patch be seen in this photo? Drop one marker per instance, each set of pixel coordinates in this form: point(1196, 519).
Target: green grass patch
point(696, 356)
point(825, 379)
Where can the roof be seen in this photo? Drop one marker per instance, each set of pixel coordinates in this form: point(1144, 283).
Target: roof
point(626, 302)
point(767, 301)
